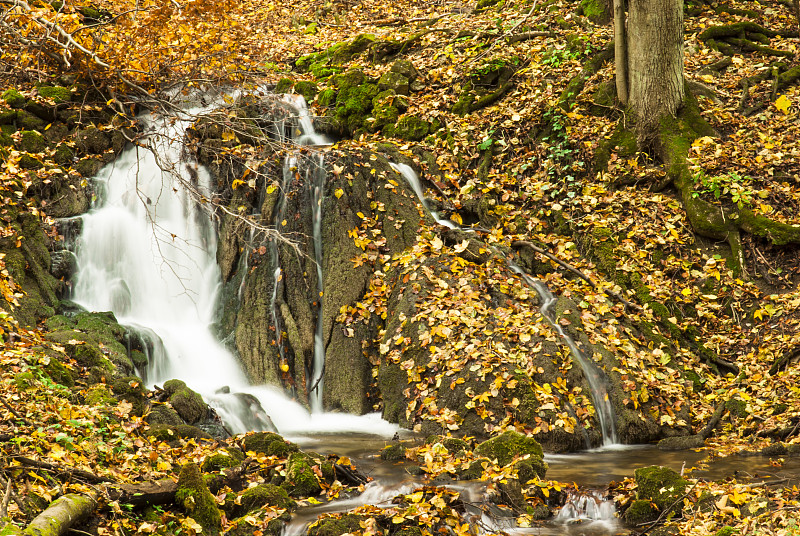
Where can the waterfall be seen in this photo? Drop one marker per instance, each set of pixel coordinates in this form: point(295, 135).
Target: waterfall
point(147, 252)
point(605, 413)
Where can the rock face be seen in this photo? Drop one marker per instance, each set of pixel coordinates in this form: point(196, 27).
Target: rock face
point(452, 333)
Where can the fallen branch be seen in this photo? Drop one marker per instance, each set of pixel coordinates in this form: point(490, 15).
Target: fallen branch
point(610, 293)
point(76, 473)
point(13, 412)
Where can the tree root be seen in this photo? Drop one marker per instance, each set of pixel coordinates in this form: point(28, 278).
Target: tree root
point(62, 471)
point(783, 361)
point(744, 36)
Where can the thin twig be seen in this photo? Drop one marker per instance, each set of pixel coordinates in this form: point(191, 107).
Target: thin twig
point(14, 412)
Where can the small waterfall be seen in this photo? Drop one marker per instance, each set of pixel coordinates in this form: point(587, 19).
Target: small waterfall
point(605, 412)
point(147, 252)
point(592, 512)
point(317, 188)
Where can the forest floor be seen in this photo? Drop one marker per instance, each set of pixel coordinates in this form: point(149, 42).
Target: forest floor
point(544, 167)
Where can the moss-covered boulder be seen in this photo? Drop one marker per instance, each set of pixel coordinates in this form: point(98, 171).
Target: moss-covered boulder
point(269, 443)
point(509, 445)
point(336, 525)
point(32, 142)
point(99, 394)
point(223, 458)
point(393, 81)
point(197, 501)
point(658, 490)
point(131, 390)
point(171, 433)
point(57, 94)
point(14, 98)
point(411, 128)
point(187, 403)
point(301, 481)
point(393, 452)
point(163, 414)
point(261, 495)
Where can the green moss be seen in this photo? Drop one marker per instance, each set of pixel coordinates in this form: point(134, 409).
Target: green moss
point(411, 128)
point(283, 85)
point(639, 512)
point(264, 494)
point(737, 407)
point(354, 100)
point(162, 414)
point(25, 380)
point(32, 142)
point(197, 501)
point(300, 478)
point(595, 10)
point(28, 121)
point(223, 458)
point(327, 97)
point(473, 470)
point(660, 485)
point(130, 389)
point(189, 405)
point(483, 5)
point(99, 395)
point(63, 154)
point(307, 89)
point(393, 452)
point(166, 432)
point(506, 446)
point(27, 161)
point(14, 98)
point(465, 101)
point(336, 526)
point(57, 93)
point(726, 531)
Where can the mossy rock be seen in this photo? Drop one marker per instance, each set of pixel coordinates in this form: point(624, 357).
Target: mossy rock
point(394, 82)
point(7, 118)
point(162, 414)
point(197, 501)
point(88, 167)
point(59, 372)
point(660, 485)
point(284, 85)
point(473, 470)
point(32, 142)
point(28, 121)
point(261, 495)
point(595, 11)
point(737, 407)
point(57, 94)
point(189, 405)
point(130, 389)
point(336, 526)
point(223, 458)
point(27, 161)
point(411, 128)
point(384, 111)
point(483, 5)
point(307, 89)
point(300, 478)
point(260, 442)
point(507, 445)
point(92, 141)
point(393, 452)
point(327, 97)
point(405, 68)
point(99, 395)
point(639, 512)
point(63, 154)
point(530, 469)
point(14, 98)
point(25, 380)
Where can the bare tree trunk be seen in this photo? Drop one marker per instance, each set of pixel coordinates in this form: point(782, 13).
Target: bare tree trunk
point(620, 52)
point(655, 62)
point(796, 4)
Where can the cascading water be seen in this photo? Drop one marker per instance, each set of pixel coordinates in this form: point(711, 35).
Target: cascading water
point(605, 412)
point(147, 253)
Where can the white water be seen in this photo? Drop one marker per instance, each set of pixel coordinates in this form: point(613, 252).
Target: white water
point(147, 253)
point(605, 412)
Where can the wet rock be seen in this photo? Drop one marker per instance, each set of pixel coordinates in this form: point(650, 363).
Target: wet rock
point(331, 526)
point(682, 442)
point(14, 98)
point(170, 433)
point(162, 414)
point(393, 452)
point(658, 490)
point(300, 478)
point(64, 264)
point(131, 390)
point(509, 445)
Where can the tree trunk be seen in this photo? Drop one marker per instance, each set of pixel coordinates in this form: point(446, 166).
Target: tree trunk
point(61, 515)
point(620, 52)
point(655, 62)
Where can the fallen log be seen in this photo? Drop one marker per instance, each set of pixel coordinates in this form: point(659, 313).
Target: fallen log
point(61, 515)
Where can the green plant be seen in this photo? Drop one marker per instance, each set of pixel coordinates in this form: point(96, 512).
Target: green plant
point(555, 56)
point(730, 184)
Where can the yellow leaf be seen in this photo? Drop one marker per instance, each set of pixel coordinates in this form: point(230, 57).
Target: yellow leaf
point(338, 193)
point(284, 367)
point(783, 104)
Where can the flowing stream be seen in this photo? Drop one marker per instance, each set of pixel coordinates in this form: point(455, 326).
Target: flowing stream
point(592, 373)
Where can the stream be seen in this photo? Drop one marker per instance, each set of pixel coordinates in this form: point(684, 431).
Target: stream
point(147, 253)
